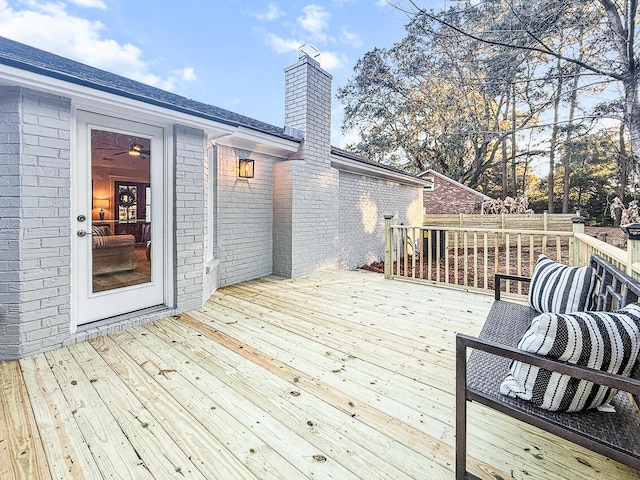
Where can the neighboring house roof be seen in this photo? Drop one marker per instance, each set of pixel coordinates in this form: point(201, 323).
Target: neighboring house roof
point(38, 61)
point(431, 172)
point(349, 161)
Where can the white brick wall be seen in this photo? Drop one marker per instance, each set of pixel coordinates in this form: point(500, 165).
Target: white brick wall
point(245, 217)
point(189, 219)
point(10, 208)
point(311, 188)
point(282, 207)
point(363, 203)
point(34, 221)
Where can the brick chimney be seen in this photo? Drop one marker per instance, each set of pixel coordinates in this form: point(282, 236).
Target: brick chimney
point(305, 230)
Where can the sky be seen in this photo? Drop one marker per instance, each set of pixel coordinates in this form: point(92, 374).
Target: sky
point(227, 53)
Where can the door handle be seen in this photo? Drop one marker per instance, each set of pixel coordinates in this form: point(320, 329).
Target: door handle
point(82, 233)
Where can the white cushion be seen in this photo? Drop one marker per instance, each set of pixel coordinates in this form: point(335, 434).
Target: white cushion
point(607, 341)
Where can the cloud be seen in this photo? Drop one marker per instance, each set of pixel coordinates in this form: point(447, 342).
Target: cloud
point(332, 61)
point(382, 3)
point(282, 45)
point(49, 26)
point(171, 82)
point(312, 26)
point(188, 74)
point(350, 38)
point(314, 20)
point(90, 4)
point(234, 102)
point(272, 14)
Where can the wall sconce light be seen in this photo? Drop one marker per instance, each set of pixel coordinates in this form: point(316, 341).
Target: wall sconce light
point(245, 168)
point(101, 203)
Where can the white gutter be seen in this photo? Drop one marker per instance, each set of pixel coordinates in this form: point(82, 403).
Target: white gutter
point(253, 140)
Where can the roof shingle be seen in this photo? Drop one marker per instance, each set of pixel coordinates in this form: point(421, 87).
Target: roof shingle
point(38, 61)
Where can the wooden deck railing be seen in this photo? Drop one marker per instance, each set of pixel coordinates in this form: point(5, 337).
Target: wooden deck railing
point(470, 257)
point(626, 260)
point(588, 245)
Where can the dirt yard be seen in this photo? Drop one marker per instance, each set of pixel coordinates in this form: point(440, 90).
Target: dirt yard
point(612, 235)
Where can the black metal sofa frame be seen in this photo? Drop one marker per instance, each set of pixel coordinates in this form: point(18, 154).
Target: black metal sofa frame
point(615, 435)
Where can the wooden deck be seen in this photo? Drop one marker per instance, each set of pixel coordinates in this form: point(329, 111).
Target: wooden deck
point(338, 375)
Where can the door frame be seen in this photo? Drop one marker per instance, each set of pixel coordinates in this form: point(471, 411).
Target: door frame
point(83, 120)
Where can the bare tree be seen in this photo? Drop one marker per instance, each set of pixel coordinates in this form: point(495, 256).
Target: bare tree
point(531, 26)
point(435, 100)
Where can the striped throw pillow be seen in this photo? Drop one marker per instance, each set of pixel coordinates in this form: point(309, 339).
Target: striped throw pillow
point(557, 288)
point(98, 233)
point(607, 341)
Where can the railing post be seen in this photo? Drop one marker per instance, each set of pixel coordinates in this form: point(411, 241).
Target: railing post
point(388, 246)
point(461, 410)
point(578, 227)
point(633, 248)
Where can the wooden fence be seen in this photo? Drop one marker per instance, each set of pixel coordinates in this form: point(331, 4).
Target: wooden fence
point(544, 221)
point(469, 257)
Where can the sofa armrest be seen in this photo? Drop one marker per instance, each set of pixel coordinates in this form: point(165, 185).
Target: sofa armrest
point(111, 241)
point(497, 284)
point(599, 377)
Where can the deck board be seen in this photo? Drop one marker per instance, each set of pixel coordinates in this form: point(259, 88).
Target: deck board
point(21, 450)
point(115, 454)
point(339, 370)
point(206, 452)
point(334, 432)
point(68, 454)
point(250, 414)
point(336, 375)
point(256, 455)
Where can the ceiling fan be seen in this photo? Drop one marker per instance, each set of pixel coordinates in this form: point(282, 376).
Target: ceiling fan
point(136, 150)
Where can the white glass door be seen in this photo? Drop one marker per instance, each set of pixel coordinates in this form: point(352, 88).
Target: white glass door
point(118, 242)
